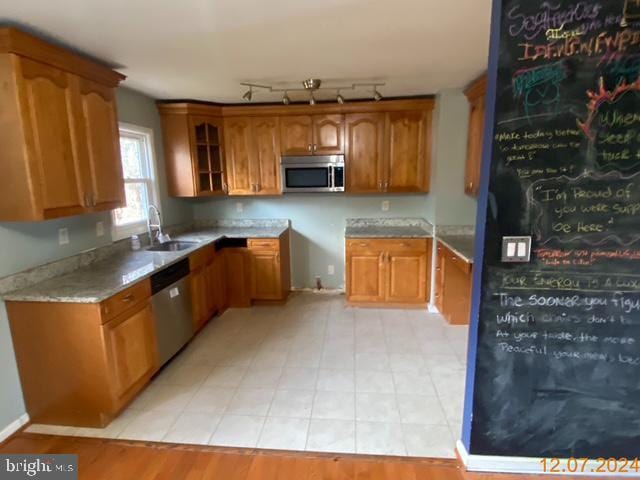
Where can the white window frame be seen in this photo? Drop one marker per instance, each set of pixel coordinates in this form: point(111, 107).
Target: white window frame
point(149, 158)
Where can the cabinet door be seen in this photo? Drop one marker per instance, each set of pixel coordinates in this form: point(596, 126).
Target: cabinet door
point(328, 134)
point(104, 177)
point(220, 284)
point(131, 345)
point(296, 135)
point(47, 100)
point(365, 277)
point(265, 275)
point(474, 146)
point(406, 277)
point(458, 280)
point(238, 277)
point(265, 164)
point(199, 301)
point(439, 295)
point(407, 166)
point(207, 155)
point(364, 152)
point(238, 151)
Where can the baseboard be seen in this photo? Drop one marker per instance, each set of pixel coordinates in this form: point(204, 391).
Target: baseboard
point(326, 291)
point(526, 465)
point(13, 427)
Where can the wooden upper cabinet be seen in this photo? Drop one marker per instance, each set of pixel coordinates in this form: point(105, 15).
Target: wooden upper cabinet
point(100, 129)
point(47, 104)
point(194, 150)
point(265, 164)
point(476, 94)
point(207, 155)
point(60, 151)
point(296, 135)
point(253, 155)
point(328, 134)
point(239, 152)
point(312, 135)
point(407, 169)
point(364, 152)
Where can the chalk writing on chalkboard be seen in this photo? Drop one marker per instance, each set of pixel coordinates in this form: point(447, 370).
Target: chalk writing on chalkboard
point(558, 366)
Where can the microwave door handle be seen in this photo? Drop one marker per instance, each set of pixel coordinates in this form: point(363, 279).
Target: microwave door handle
point(332, 177)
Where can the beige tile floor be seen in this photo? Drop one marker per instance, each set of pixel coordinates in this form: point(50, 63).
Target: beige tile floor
point(309, 375)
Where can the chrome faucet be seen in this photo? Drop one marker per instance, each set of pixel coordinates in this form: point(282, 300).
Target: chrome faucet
point(154, 229)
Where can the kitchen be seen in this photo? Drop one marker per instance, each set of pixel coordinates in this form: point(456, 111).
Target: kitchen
point(321, 242)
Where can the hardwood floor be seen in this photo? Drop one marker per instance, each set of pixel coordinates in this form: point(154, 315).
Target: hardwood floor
point(124, 460)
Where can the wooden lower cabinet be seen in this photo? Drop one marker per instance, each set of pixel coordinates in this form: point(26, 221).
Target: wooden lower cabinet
point(454, 281)
point(270, 268)
point(80, 364)
point(388, 271)
point(208, 285)
point(238, 273)
point(131, 348)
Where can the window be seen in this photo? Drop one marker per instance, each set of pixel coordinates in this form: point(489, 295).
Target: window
point(136, 149)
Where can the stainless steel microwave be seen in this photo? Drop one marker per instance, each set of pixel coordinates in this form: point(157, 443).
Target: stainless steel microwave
point(322, 173)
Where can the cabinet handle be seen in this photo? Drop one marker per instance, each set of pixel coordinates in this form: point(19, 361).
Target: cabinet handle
point(86, 200)
point(315, 147)
point(310, 147)
point(278, 257)
point(128, 298)
point(93, 199)
point(380, 185)
point(225, 188)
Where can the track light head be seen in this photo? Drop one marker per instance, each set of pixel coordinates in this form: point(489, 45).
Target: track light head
point(312, 99)
point(339, 99)
point(248, 95)
point(285, 99)
point(376, 95)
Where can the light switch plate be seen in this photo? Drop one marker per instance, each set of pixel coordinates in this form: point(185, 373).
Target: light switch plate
point(385, 206)
point(516, 249)
point(99, 229)
point(331, 270)
point(239, 207)
point(63, 236)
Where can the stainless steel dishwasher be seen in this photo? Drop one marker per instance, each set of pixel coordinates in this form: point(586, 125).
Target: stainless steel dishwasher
point(171, 302)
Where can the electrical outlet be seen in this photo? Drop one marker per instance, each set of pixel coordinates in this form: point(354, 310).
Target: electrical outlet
point(239, 207)
point(385, 206)
point(63, 236)
point(99, 229)
point(331, 270)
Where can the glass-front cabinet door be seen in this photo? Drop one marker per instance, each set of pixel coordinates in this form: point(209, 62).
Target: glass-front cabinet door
point(207, 145)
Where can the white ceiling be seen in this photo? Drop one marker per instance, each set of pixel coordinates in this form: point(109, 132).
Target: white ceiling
point(202, 49)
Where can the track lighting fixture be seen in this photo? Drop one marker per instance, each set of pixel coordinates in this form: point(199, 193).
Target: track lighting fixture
point(311, 86)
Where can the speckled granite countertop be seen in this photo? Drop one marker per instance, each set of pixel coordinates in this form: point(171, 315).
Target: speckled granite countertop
point(104, 278)
point(388, 228)
point(463, 245)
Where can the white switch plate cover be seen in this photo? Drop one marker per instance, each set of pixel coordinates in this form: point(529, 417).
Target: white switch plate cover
point(516, 249)
point(63, 236)
point(385, 206)
point(331, 270)
point(239, 207)
point(99, 229)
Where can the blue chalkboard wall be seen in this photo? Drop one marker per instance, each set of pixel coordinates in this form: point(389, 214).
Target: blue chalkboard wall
point(557, 343)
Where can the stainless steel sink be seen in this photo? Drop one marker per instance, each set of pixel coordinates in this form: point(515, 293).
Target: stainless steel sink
point(172, 246)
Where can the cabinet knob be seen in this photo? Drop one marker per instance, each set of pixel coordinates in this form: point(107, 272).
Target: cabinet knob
point(310, 147)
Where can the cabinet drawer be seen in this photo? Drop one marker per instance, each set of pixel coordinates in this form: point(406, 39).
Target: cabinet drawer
point(264, 244)
point(201, 257)
point(387, 245)
point(114, 306)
